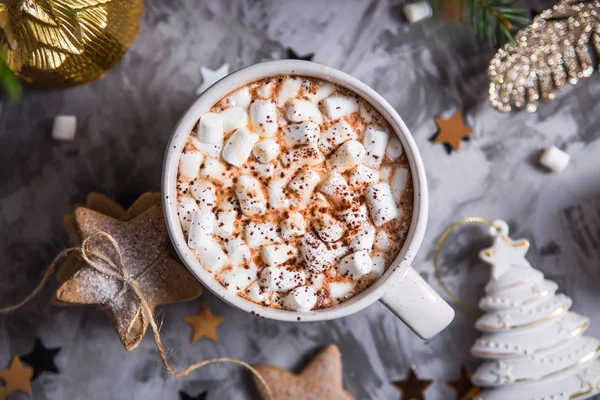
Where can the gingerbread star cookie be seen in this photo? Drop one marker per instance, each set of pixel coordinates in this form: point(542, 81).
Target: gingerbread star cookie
point(452, 131)
point(145, 256)
point(321, 379)
point(17, 377)
point(204, 324)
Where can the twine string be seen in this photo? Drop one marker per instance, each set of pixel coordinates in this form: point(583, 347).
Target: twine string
point(436, 252)
point(119, 271)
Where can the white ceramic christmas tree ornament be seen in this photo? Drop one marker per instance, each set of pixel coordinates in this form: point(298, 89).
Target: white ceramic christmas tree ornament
point(533, 345)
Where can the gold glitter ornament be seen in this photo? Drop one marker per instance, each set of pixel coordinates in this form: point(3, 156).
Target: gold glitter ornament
point(60, 43)
point(553, 50)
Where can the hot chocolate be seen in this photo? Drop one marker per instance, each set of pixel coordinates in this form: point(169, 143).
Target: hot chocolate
point(294, 193)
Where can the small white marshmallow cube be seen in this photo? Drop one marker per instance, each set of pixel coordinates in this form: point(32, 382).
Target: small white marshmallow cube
point(381, 203)
point(304, 183)
point(236, 279)
point(216, 170)
point(189, 164)
point(256, 294)
point(417, 11)
point(186, 207)
point(355, 217)
point(305, 132)
point(234, 118)
point(303, 298)
point(375, 141)
point(306, 155)
point(211, 150)
point(210, 128)
point(240, 98)
point(328, 228)
point(64, 128)
point(554, 159)
point(225, 223)
point(201, 229)
point(338, 106)
point(378, 264)
point(250, 196)
point(293, 225)
point(260, 234)
point(394, 148)
point(399, 182)
point(324, 91)
point(297, 110)
point(276, 254)
point(347, 156)
point(364, 239)
point(263, 117)
point(204, 192)
point(238, 147)
point(266, 150)
point(238, 252)
point(339, 133)
point(281, 279)
point(316, 253)
point(289, 89)
point(277, 198)
point(356, 264)
point(363, 175)
point(336, 188)
point(211, 256)
point(339, 290)
point(382, 242)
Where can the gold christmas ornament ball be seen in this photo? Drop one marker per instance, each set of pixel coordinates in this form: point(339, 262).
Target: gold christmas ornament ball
point(61, 43)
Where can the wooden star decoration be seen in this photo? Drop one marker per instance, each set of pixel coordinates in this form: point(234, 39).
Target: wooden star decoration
point(452, 131)
point(185, 396)
point(204, 324)
point(41, 358)
point(144, 244)
point(291, 54)
point(413, 388)
point(465, 390)
point(320, 379)
point(17, 377)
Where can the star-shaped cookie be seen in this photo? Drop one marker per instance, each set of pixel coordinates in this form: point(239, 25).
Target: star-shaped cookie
point(452, 131)
point(321, 379)
point(16, 377)
point(204, 324)
point(41, 358)
point(144, 244)
point(505, 254)
point(413, 387)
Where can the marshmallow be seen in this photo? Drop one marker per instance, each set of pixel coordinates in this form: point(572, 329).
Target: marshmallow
point(375, 142)
point(236, 279)
point(316, 253)
point(337, 106)
point(201, 228)
point(382, 242)
point(362, 175)
point(347, 156)
point(336, 135)
point(323, 92)
point(399, 182)
point(393, 149)
point(289, 89)
point(240, 98)
point(266, 150)
point(186, 207)
point(238, 252)
point(234, 118)
point(355, 217)
point(281, 279)
point(238, 147)
point(328, 228)
point(364, 239)
point(385, 174)
point(337, 190)
point(378, 264)
point(306, 155)
point(250, 196)
point(258, 170)
point(315, 280)
point(365, 114)
point(64, 127)
point(260, 234)
point(225, 224)
point(211, 150)
point(276, 254)
point(302, 298)
point(266, 90)
point(297, 110)
point(318, 201)
point(293, 225)
point(189, 164)
point(211, 256)
point(277, 197)
point(382, 205)
point(228, 203)
point(356, 264)
point(305, 132)
point(554, 159)
point(183, 186)
point(263, 116)
point(204, 192)
point(417, 11)
point(339, 290)
point(214, 169)
point(304, 183)
point(256, 294)
point(210, 128)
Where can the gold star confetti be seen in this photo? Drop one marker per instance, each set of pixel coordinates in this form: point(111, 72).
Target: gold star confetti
point(452, 130)
point(16, 377)
point(204, 324)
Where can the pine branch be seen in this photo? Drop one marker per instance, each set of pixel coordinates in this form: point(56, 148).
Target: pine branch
point(9, 82)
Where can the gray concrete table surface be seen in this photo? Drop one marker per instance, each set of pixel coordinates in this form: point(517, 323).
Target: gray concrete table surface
point(125, 120)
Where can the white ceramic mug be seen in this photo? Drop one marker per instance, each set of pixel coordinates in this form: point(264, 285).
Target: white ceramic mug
point(400, 288)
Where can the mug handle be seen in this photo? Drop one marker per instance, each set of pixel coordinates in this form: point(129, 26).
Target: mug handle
point(418, 305)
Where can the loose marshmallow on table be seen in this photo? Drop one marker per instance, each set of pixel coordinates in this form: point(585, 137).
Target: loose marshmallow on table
point(303, 298)
point(225, 224)
point(189, 164)
point(336, 189)
point(399, 182)
point(211, 150)
point(364, 239)
point(302, 133)
point(289, 89)
point(276, 254)
point(266, 150)
point(281, 279)
point(210, 128)
point(382, 241)
point(382, 205)
point(417, 11)
point(240, 98)
point(394, 148)
point(356, 264)
point(297, 110)
point(214, 169)
point(323, 92)
point(250, 196)
point(186, 207)
point(328, 228)
point(338, 290)
point(238, 252)
point(211, 256)
point(64, 127)
point(263, 116)
point(347, 156)
point(236, 279)
point(375, 142)
point(239, 146)
point(292, 225)
point(336, 135)
point(260, 234)
point(277, 198)
point(306, 155)
point(204, 192)
point(363, 175)
point(355, 217)
point(554, 159)
point(234, 118)
point(337, 106)
point(316, 253)
point(304, 183)
point(201, 228)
